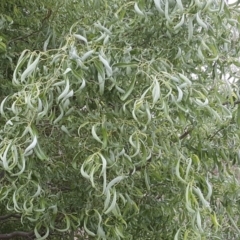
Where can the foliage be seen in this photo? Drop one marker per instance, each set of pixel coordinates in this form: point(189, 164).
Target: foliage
point(128, 129)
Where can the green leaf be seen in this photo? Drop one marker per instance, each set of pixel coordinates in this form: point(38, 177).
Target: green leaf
point(238, 115)
point(129, 91)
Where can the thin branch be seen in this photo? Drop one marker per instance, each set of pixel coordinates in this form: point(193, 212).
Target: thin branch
point(16, 234)
point(140, 167)
point(4, 217)
point(185, 134)
point(49, 13)
point(214, 134)
point(235, 103)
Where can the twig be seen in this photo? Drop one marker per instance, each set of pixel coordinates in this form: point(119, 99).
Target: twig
point(214, 134)
point(186, 133)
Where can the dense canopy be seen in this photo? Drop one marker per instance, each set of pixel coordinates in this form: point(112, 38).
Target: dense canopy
point(119, 119)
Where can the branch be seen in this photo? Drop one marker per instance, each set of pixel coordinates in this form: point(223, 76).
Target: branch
point(49, 13)
point(16, 234)
point(235, 103)
point(185, 133)
point(9, 216)
point(214, 134)
point(138, 168)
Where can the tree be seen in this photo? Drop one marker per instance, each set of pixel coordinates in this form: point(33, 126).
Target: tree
point(130, 128)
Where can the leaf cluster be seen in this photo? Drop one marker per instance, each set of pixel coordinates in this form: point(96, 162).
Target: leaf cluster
point(129, 126)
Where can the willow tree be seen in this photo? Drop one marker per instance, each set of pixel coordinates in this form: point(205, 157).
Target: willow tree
point(128, 129)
